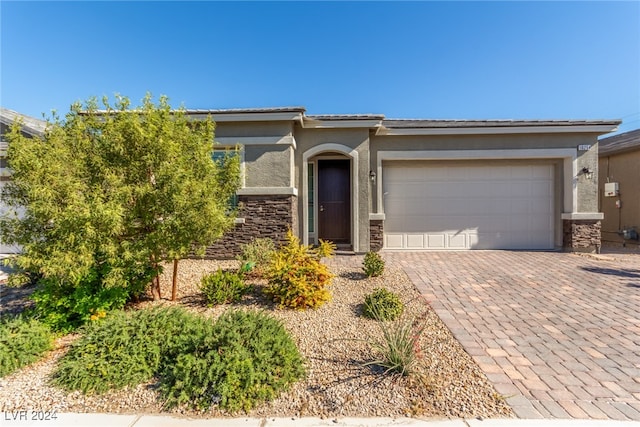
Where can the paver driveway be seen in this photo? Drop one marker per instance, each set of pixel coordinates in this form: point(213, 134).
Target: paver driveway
point(558, 334)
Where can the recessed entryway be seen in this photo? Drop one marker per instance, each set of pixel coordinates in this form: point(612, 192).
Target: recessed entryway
point(334, 200)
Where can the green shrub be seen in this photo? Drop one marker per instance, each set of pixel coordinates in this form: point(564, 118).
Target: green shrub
point(382, 305)
point(373, 264)
point(399, 347)
point(297, 278)
point(223, 287)
point(65, 307)
point(249, 358)
point(127, 348)
point(22, 341)
point(236, 362)
point(258, 253)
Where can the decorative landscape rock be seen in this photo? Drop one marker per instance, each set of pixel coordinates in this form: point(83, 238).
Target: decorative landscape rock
point(332, 338)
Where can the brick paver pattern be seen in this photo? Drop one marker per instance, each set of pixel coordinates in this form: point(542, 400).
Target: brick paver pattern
point(557, 334)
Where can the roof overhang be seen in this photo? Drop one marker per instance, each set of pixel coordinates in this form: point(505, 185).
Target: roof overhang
point(342, 123)
point(220, 116)
point(446, 127)
point(30, 125)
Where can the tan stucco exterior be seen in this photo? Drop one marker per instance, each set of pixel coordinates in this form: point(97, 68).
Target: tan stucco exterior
point(276, 155)
point(622, 211)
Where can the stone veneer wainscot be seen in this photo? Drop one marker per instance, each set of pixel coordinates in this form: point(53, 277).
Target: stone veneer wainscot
point(260, 217)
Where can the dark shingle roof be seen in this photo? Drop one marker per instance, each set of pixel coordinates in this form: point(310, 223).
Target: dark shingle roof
point(628, 141)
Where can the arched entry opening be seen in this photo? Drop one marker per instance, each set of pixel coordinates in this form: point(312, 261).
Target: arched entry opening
point(330, 197)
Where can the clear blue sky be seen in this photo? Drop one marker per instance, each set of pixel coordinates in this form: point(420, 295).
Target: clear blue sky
point(458, 60)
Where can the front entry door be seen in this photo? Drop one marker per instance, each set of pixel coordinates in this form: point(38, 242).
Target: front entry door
point(334, 200)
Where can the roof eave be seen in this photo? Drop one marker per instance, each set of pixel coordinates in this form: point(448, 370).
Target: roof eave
point(594, 128)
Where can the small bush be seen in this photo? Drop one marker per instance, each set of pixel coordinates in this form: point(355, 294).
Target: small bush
point(126, 349)
point(373, 264)
point(248, 358)
point(65, 306)
point(223, 287)
point(22, 341)
point(382, 305)
point(258, 253)
point(399, 347)
point(296, 277)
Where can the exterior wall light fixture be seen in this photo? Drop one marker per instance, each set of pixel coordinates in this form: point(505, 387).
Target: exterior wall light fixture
point(588, 173)
point(372, 176)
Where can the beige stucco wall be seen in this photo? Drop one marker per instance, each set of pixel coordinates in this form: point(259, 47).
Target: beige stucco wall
point(267, 165)
point(624, 169)
point(264, 164)
point(271, 165)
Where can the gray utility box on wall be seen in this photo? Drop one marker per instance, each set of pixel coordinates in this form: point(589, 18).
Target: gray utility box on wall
point(611, 189)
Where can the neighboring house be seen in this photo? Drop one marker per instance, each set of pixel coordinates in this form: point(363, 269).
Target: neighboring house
point(619, 188)
point(31, 127)
point(369, 183)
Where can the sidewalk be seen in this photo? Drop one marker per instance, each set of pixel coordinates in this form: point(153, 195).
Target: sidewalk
point(25, 419)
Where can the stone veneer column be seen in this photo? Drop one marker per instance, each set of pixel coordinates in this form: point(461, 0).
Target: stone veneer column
point(376, 235)
point(264, 216)
point(581, 235)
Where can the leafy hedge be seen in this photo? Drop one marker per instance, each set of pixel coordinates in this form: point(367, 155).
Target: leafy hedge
point(248, 358)
point(22, 341)
point(239, 360)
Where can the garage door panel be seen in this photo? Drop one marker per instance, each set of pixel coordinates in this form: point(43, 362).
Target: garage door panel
point(468, 207)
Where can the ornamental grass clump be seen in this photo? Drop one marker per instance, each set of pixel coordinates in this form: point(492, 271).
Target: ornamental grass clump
point(296, 277)
point(22, 341)
point(257, 254)
point(399, 347)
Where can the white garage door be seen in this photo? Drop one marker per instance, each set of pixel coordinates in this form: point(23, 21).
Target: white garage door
point(6, 249)
point(457, 207)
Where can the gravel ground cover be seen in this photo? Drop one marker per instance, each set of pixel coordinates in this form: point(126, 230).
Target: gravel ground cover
point(335, 340)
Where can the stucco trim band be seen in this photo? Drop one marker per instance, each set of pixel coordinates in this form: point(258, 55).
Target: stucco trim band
point(267, 191)
point(257, 140)
point(583, 216)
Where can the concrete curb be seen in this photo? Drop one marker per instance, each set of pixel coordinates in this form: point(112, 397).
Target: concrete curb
point(30, 418)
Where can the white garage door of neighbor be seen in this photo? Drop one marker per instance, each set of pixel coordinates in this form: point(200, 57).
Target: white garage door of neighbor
point(458, 207)
point(6, 249)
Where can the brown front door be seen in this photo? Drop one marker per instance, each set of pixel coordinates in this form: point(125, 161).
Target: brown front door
point(334, 200)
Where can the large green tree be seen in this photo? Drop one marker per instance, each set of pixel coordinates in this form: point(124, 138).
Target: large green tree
point(116, 191)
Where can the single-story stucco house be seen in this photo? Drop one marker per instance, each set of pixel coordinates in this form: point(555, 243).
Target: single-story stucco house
point(367, 182)
point(619, 186)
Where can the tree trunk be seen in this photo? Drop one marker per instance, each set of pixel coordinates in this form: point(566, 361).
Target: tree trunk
point(158, 286)
point(155, 282)
point(174, 288)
